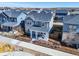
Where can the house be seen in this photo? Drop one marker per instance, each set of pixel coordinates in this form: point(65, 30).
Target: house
point(76, 12)
point(38, 24)
point(59, 14)
point(2, 18)
point(13, 20)
point(71, 30)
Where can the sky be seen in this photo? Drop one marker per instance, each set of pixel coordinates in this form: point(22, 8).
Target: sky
point(39, 4)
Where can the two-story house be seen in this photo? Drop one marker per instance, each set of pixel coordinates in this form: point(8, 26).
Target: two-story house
point(71, 30)
point(38, 24)
point(13, 19)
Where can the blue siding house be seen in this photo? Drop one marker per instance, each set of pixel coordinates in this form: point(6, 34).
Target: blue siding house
point(13, 19)
point(38, 24)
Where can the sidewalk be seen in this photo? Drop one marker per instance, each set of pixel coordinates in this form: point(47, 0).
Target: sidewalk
point(34, 47)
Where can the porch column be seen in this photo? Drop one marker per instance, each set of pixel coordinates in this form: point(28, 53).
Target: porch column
point(47, 36)
point(31, 34)
point(36, 35)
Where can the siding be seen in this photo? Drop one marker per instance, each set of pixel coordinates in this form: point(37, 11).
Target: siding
point(66, 28)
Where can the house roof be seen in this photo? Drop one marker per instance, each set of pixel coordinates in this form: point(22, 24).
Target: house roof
point(42, 16)
point(12, 13)
point(71, 19)
point(68, 17)
point(25, 11)
point(48, 11)
point(74, 12)
point(61, 11)
point(9, 24)
point(39, 29)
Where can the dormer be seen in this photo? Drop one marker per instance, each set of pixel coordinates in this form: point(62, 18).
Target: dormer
point(29, 21)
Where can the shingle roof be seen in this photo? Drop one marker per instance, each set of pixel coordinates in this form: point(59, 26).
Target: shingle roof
point(25, 11)
point(10, 24)
point(39, 29)
point(12, 13)
point(74, 12)
point(61, 11)
point(42, 16)
point(71, 19)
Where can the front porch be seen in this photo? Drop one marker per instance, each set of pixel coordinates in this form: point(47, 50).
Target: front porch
point(8, 26)
point(36, 35)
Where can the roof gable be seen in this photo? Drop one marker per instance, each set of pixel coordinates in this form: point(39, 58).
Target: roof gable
point(29, 18)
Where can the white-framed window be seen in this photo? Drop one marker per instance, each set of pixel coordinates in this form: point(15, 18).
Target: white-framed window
point(29, 22)
point(21, 17)
point(72, 27)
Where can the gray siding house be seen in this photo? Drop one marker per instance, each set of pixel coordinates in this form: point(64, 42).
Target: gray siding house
point(71, 30)
point(39, 24)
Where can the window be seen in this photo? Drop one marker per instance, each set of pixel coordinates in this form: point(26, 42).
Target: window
point(37, 24)
point(21, 17)
point(14, 20)
point(76, 46)
point(29, 23)
point(42, 24)
point(72, 27)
